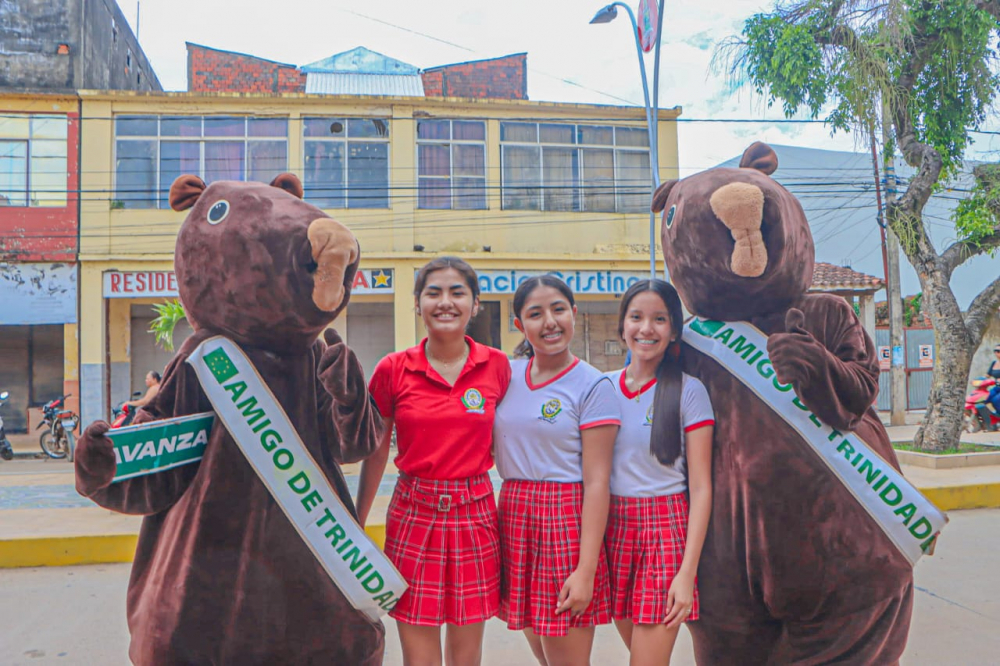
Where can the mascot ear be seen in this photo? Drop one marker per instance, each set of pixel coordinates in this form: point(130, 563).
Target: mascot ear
point(290, 183)
point(761, 157)
point(185, 191)
point(661, 194)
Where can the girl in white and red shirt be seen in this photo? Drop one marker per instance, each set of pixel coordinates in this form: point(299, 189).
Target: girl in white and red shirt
point(553, 437)
point(663, 454)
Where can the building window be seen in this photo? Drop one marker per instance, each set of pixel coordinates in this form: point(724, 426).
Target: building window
point(346, 162)
point(152, 151)
point(33, 160)
point(564, 167)
point(451, 164)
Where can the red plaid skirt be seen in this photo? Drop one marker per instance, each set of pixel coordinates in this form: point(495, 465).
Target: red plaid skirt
point(540, 540)
point(645, 543)
point(443, 537)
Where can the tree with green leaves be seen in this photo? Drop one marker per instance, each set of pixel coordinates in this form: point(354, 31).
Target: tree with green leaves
point(919, 74)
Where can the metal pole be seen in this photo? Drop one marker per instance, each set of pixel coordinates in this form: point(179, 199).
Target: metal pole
point(654, 157)
point(650, 131)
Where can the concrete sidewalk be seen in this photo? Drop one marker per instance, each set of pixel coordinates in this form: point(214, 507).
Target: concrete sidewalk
point(44, 522)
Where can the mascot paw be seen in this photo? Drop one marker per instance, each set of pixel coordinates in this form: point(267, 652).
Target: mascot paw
point(795, 354)
point(95, 459)
point(335, 369)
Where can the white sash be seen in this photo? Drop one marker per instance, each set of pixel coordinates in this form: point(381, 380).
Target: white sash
point(271, 444)
point(908, 518)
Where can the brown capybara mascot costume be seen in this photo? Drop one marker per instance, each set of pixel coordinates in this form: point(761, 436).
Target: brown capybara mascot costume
point(220, 574)
point(794, 571)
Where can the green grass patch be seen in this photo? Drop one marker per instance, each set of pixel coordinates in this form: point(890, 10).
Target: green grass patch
point(963, 447)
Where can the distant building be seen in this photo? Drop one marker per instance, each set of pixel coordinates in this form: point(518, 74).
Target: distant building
point(48, 51)
point(359, 71)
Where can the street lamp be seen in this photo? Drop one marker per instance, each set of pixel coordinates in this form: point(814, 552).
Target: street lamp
point(607, 14)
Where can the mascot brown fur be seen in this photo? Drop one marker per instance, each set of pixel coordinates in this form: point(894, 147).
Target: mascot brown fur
point(793, 571)
point(220, 575)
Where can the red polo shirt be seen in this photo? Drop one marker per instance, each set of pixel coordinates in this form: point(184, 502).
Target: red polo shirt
point(442, 431)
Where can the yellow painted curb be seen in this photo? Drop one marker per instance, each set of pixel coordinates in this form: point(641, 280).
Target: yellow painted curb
point(62, 551)
point(972, 496)
point(107, 549)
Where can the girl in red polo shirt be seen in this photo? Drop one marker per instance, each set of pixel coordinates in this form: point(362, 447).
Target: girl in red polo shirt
point(663, 456)
point(554, 435)
point(441, 526)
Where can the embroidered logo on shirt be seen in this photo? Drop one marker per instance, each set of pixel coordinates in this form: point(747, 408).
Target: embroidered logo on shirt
point(473, 401)
point(550, 410)
point(649, 416)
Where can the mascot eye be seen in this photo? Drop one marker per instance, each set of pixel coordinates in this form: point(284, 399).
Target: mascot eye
point(218, 212)
point(670, 216)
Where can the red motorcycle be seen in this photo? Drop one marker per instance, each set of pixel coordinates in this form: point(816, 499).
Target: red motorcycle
point(973, 420)
point(123, 414)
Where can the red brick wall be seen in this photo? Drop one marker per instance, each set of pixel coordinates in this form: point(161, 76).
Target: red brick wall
point(499, 78)
point(210, 70)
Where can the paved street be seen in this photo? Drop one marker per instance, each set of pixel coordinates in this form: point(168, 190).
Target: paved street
point(75, 615)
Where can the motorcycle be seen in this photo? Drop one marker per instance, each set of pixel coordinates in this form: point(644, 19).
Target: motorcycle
point(6, 450)
point(58, 441)
point(122, 415)
point(973, 420)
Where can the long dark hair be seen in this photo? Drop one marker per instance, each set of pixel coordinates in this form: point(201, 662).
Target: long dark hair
point(440, 264)
point(665, 437)
point(524, 290)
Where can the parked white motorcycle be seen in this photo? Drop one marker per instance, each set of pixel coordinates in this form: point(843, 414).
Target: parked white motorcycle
point(6, 450)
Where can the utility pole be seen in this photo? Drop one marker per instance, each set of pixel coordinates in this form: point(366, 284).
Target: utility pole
point(897, 372)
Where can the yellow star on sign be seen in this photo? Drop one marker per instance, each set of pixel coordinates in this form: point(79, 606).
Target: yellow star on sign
point(381, 279)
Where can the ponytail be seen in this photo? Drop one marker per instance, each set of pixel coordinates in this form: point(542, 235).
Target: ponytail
point(665, 436)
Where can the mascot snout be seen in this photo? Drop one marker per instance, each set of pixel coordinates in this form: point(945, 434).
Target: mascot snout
point(334, 248)
point(740, 206)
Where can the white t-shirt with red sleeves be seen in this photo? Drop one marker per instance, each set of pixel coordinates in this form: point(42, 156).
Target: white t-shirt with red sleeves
point(635, 472)
point(537, 428)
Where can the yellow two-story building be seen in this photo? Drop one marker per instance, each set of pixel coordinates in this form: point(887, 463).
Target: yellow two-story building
point(514, 187)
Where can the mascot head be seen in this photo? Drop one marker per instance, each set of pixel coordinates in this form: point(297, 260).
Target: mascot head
point(256, 263)
point(736, 243)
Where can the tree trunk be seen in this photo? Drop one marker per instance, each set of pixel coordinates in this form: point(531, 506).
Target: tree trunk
point(942, 424)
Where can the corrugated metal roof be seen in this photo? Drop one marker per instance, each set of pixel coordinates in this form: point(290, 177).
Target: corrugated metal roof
point(360, 61)
point(365, 84)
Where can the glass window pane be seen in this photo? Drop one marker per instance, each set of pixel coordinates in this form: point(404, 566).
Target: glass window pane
point(49, 127)
point(135, 174)
point(13, 173)
point(470, 160)
point(367, 174)
point(367, 128)
point(224, 160)
point(48, 180)
point(434, 193)
point(432, 129)
point(521, 132)
point(48, 149)
point(180, 126)
point(135, 125)
point(177, 158)
point(598, 180)
point(225, 126)
point(630, 136)
point(521, 177)
point(634, 188)
point(267, 127)
point(469, 193)
point(324, 174)
point(603, 136)
point(468, 130)
point(433, 160)
point(555, 133)
point(560, 174)
point(14, 127)
point(320, 127)
point(267, 160)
